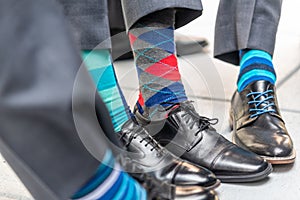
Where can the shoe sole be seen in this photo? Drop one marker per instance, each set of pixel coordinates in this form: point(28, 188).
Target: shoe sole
point(281, 160)
point(214, 186)
point(205, 195)
point(273, 160)
point(247, 178)
point(155, 194)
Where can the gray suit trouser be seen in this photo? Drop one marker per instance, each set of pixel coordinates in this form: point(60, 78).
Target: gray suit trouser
point(38, 131)
point(240, 24)
point(38, 135)
point(92, 22)
point(245, 24)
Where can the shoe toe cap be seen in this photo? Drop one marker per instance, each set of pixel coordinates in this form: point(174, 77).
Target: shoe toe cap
point(282, 150)
point(190, 174)
point(237, 163)
point(277, 144)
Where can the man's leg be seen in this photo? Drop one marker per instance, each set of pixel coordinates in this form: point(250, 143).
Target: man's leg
point(38, 135)
point(151, 32)
point(162, 107)
point(245, 35)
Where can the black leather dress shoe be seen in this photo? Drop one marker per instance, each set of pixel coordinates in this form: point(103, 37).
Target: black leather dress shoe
point(158, 170)
point(190, 136)
point(258, 125)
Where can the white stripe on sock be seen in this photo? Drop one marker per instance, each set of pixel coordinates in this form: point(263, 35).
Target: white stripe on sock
point(105, 186)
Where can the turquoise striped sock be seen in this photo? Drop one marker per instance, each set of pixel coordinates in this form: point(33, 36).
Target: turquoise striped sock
point(110, 182)
point(100, 67)
point(255, 65)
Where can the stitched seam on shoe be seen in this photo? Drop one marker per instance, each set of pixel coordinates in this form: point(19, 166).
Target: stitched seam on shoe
point(220, 155)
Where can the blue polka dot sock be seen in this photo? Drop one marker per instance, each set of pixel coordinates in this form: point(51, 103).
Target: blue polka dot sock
point(110, 182)
point(100, 67)
point(255, 65)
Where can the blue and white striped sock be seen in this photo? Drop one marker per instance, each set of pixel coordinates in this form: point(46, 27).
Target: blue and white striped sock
point(255, 65)
point(110, 182)
point(100, 67)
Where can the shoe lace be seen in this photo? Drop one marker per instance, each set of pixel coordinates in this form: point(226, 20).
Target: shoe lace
point(267, 101)
point(203, 122)
point(137, 130)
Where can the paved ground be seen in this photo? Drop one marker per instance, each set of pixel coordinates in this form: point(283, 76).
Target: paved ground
point(210, 83)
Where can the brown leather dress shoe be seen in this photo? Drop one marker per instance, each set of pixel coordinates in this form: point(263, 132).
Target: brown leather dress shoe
point(257, 123)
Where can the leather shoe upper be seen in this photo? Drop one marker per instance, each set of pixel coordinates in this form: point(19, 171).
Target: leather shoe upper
point(190, 136)
point(149, 162)
point(258, 125)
